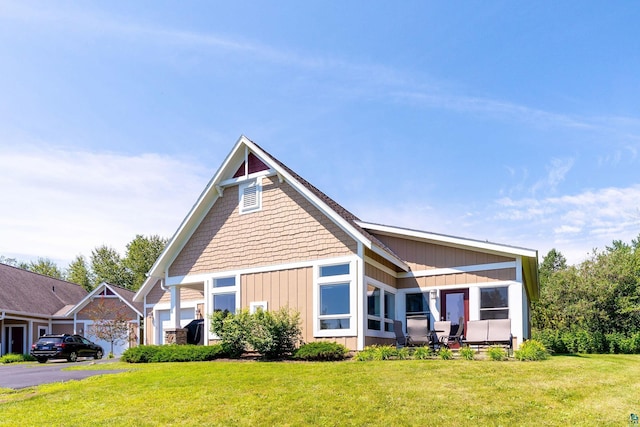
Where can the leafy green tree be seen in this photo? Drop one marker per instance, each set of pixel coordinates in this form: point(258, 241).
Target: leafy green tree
point(43, 266)
point(554, 261)
point(142, 253)
point(78, 273)
point(8, 261)
point(107, 266)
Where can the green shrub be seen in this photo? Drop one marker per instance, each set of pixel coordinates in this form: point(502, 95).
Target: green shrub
point(422, 353)
point(366, 354)
point(497, 353)
point(172, 353)
point(384, 352)
point(467, 353)
point(532, 350)
point(233, 331)
point(381, 352)
point(274, 334)
point(552, 340)
point(12, 358)
point(403, 353)
point(445, 353)
point(321, 351)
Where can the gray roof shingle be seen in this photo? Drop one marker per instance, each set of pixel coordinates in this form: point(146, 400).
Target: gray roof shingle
point(25, 292)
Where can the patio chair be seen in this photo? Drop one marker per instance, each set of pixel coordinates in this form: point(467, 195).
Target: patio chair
point(418, 330)
point(499, 332)
point(457, 337)
point(476, 332)
point(401, 338)
point(443, 330)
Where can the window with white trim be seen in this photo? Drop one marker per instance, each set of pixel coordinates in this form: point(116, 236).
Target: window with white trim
point(494, 303)
point(224, 294)
point(417, 305)
point(335, 302)
point(250, 194)
point(381, 309)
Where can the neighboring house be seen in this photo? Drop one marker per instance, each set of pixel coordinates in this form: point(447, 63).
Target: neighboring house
point(32, 305)
point(108, 303)
point(261, 236)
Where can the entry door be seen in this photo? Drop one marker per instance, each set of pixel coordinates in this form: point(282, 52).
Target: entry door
point(15, 339)
point(455, 308)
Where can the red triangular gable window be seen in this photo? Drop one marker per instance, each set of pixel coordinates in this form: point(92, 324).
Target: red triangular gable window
point(255, 165)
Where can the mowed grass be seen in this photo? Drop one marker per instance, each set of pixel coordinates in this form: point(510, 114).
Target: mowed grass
point(580, 390)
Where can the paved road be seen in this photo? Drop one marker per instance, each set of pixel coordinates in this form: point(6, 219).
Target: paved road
point(21, 375)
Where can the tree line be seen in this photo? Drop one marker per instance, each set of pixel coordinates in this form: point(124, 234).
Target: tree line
point(104, 265)
point(592, 307)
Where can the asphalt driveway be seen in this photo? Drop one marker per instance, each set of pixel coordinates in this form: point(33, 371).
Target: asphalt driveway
point(21, 375)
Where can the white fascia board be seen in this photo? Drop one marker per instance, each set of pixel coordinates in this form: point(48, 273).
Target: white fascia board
point(189, 223)
point(86, 300)
point(335, 217)
point(449, 240)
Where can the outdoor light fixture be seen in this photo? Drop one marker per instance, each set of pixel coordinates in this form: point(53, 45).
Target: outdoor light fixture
point(433, 294)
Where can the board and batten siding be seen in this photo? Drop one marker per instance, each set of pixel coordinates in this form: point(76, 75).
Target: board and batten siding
point(458, 279)
point(426, 256)
point(287, 229)
point(291, 288)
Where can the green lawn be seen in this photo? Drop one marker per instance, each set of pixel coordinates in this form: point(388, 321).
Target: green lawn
point(565, 390)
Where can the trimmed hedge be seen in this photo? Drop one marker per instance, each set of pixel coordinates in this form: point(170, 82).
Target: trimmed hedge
point(173, 353)
point(321, 351)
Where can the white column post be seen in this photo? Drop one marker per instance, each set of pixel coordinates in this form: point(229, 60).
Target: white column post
point(175, 306)
point(361, 297)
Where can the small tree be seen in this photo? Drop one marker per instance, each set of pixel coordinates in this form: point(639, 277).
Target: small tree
point(110, 321)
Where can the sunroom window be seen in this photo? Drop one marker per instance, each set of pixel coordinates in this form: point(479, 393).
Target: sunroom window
point(494, 303)
point(381, 309)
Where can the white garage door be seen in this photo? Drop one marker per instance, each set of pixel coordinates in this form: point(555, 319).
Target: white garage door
point(164, 319)
point(118, 348)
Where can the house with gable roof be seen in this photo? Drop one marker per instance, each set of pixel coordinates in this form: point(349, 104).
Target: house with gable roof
point(260, 235)
point(32, 305)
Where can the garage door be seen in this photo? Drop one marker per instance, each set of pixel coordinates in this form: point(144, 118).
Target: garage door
point(164, 318)
point(118, 348)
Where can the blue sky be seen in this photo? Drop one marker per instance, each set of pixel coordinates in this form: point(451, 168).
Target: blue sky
point(517, 123)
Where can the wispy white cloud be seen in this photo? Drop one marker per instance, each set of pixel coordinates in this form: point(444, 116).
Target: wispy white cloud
point(556, 173)
point(355, 78)
point(60, 203)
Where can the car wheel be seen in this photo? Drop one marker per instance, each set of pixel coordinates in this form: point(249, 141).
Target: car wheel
point(42, 360)
point(73, 356)
point(98, 355)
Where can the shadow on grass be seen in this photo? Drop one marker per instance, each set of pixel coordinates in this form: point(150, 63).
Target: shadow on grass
point(568, 355)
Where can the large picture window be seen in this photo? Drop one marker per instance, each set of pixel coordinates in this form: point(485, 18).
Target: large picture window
point(494, 303)
point(334, 300)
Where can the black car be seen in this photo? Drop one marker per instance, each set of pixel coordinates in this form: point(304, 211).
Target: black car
point(65, 346)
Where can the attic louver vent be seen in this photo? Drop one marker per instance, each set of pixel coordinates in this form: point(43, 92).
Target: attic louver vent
point(250, 196)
